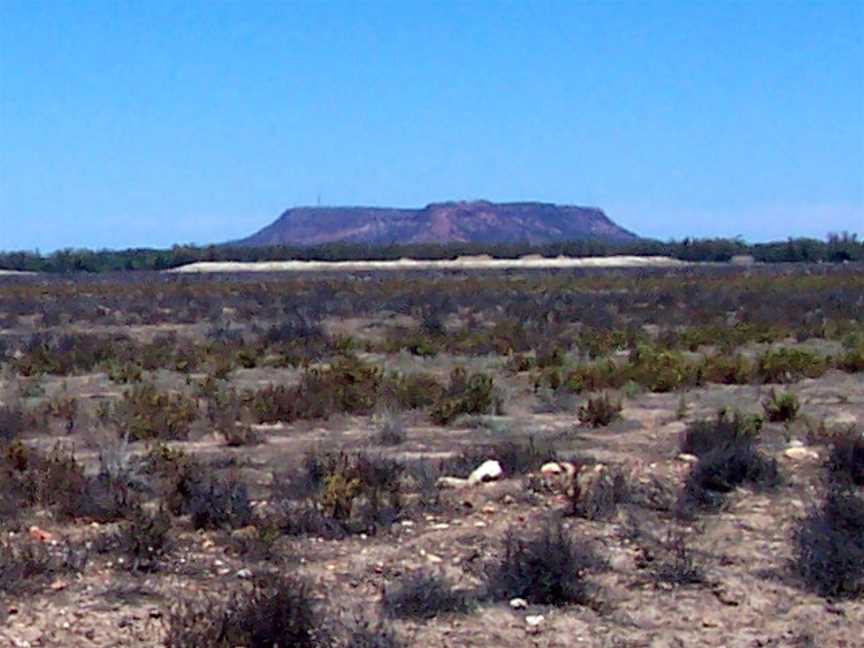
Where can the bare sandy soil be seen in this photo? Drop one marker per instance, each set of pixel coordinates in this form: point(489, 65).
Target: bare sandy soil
point(462, 263)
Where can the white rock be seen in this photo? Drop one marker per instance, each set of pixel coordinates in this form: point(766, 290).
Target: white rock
point(551, 469)
point(800, 454)
point(518, 603)
point(451, 482)
point(244, 573)
point(534, 620)
point(489, 470)
point(688, 458)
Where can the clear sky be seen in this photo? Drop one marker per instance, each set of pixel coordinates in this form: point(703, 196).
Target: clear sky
point(150, 122)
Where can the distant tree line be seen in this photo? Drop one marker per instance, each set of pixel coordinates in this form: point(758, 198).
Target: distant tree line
point(836, 248)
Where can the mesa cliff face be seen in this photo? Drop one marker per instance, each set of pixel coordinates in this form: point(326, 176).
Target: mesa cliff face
point(449, 222)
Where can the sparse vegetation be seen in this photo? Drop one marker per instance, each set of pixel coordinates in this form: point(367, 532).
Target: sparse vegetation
point(829, 545)
point(275, 612)
point(728, 457)
point(134, 402)
point(781, 407)
point(599, 411)
point(421, 595)
point(547, 569)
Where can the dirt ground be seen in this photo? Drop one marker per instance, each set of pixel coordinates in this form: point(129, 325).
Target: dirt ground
point(748, 599)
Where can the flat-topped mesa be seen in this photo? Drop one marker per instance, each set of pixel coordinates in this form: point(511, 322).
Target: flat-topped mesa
point(475, 221)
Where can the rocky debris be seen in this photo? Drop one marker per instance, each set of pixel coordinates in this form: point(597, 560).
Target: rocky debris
point(534, 622)
point(40, 535)
point(518, 603)
point(489, 470)
point(590, 477)
point(799, 453)
point(558, 475)
point(452, 483)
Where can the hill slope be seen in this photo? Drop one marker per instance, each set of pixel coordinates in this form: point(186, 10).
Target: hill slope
point(475, 222)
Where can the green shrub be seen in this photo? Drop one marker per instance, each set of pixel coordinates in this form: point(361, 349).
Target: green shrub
point(472, 394)
point(413, 390)
point(660, 371)
point(785, 365)
point(781, 407)
point(727, 369)
point(147, 413)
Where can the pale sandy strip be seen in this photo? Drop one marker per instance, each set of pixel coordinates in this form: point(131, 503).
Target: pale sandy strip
point(462, 263)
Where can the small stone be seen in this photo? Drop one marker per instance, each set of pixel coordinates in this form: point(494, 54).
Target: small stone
point(432, 558)
point(479, 524)
point(452, 483)
point(687, 458)
point(39, 535)
point(518, 603)
point(800, 454)
point(58, 585)
point(440, 526)
point(489, 509)
point(489, 470)
point(534, 622)
point(244, 573)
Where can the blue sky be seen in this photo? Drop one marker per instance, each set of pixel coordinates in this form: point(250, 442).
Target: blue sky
point(151, 123)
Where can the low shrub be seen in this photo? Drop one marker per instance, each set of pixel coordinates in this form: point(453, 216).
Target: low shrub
point(390, 429)
point(147, 413)
point(423, 596)
point(781, 407)
point(704, 436)
point(361, 633)
point(466, 394)
point(829, 545)
point(413, 390)
point(678, 566)
point(276, 611)
point(727, 369)
point(218, 503)
point(597, 492)
point(57, 482)
point(26, 563)
point(145, 539)
point(348, 386)
point(12, 423)
point(547, 569)
point(599, 411)
point(846, 458)
point(787, 365)
point(660, 371)
point(728, 457)
point(344, 492)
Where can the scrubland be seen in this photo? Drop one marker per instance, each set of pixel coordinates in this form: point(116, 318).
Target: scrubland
point(268, 459)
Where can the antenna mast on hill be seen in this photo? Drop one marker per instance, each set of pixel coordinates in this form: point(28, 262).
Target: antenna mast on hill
point(318, 199)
